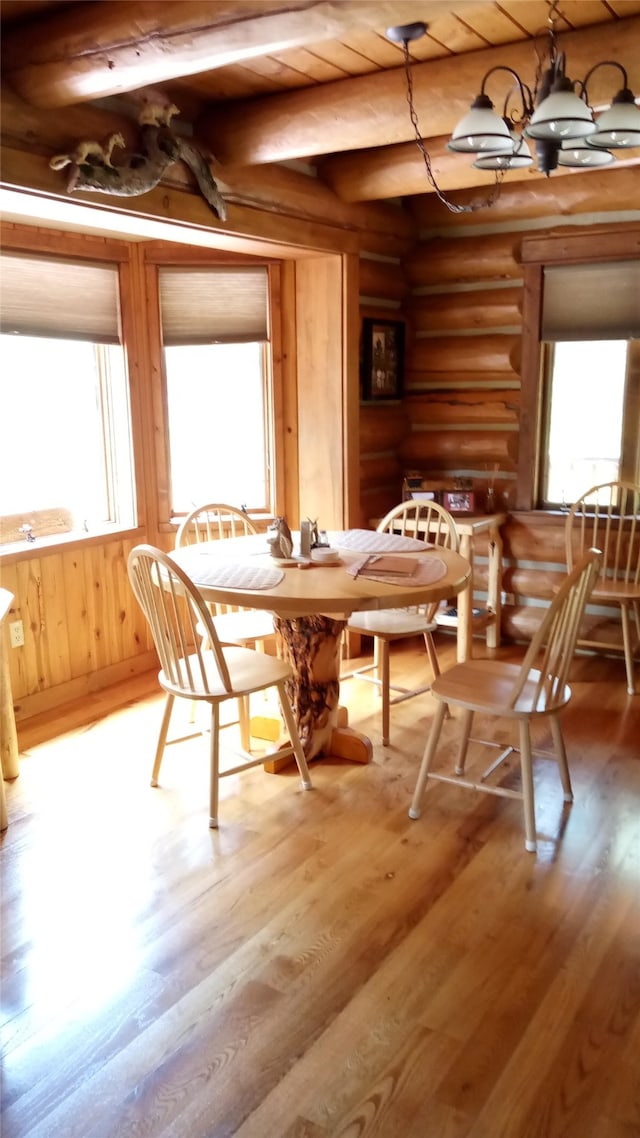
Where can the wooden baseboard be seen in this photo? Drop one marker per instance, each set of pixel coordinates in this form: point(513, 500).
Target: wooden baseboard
point(45, 714)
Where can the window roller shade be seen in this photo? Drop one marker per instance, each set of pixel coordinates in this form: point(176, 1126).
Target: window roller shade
point(592, 302)
point(69, 300)
point(212, 305)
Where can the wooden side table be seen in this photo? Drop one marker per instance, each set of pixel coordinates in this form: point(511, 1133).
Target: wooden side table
point(466, 622)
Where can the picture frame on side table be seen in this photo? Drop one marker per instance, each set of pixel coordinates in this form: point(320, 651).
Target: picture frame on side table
point(382, 359)
point(458, 501)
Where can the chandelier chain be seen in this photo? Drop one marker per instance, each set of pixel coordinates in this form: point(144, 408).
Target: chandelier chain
point(491, 198)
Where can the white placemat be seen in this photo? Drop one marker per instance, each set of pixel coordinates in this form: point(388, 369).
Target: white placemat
point(427, 572)
point(227, 576)
point(370, 541)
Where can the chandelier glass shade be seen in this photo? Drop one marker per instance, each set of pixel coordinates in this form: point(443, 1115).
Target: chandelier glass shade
point(481, 130)
point(575, 152)
point(619, 127)
point(517, 158)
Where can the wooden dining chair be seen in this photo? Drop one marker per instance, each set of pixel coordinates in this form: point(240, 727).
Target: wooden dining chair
point(608, 516)
point(430, 522)
point(525, 692)
point(175, 611)
point(217, 521)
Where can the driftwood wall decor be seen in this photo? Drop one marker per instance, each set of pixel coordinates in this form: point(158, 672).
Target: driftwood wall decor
point(94, 165)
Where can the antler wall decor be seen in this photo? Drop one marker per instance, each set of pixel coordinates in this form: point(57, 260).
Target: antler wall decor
point(92, 166)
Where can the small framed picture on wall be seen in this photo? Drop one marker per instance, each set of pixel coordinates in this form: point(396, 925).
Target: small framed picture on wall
point(382, 359)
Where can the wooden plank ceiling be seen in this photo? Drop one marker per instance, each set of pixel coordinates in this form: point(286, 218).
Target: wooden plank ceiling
point(313, 82)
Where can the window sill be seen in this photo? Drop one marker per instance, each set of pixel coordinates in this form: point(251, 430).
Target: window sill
point(29, 550)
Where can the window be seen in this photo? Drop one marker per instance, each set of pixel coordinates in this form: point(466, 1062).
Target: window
point(218, 452)
point(64, 389)
point(218, 382)
point(580, 405)
point(584, 432)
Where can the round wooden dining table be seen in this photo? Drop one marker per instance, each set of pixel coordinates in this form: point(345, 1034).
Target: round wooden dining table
point(311, 602)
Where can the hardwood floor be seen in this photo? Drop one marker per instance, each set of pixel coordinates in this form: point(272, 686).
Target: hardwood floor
point(322, 967)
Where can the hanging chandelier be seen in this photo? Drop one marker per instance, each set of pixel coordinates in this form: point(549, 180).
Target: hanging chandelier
point(555, 115)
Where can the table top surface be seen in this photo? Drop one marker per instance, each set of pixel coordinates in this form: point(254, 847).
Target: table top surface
point(321, 589)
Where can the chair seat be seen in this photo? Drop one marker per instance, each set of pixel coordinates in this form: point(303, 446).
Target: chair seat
point(391, 623)
point(502, 689)
point(244, 625)
point(616, 591)
point(249, 671)
point(414, 519)
point(487, 686)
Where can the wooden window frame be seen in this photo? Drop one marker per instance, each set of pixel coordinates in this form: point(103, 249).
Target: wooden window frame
point(67, 246)
point(158, 255)
point(593, 244)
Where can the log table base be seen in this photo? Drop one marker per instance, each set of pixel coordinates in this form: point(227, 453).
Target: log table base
point(311, 645)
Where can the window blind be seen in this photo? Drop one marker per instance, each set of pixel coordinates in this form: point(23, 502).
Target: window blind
point(592, 302)
point(69, 300)
point(211, 305)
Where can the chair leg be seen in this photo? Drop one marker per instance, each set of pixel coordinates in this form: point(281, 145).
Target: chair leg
point(530, 842)
point(561, 754)
point(162, 739)
point(467, 720)
point(245, 722)
point(635, 605)
point(294, 737)
point(433, 660)
point(432, 654)
point(430, 749)
point(214, 766)
point(386, 693)
point(628, 653)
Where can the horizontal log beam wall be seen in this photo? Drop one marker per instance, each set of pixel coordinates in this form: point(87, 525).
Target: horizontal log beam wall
point(383, 426)
point(462, 379)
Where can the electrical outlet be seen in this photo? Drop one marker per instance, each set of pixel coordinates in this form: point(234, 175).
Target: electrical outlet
point(16, 634)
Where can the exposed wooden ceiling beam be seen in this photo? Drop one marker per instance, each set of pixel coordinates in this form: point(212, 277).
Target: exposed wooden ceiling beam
point(399, 171)
point(585, 193)
point(371, 110)
point(99, 49)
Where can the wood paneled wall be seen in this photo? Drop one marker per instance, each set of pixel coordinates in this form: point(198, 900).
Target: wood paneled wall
point(83, 628)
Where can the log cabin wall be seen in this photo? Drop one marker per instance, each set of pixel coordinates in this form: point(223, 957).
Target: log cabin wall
point(384, 292)
point(463, 378)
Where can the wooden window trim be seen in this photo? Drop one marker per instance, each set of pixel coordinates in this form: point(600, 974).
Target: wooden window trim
point(612, 243)
point(155, 257)
point(53, 243)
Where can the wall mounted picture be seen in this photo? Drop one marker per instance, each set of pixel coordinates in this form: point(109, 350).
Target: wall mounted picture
point(382, 359)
